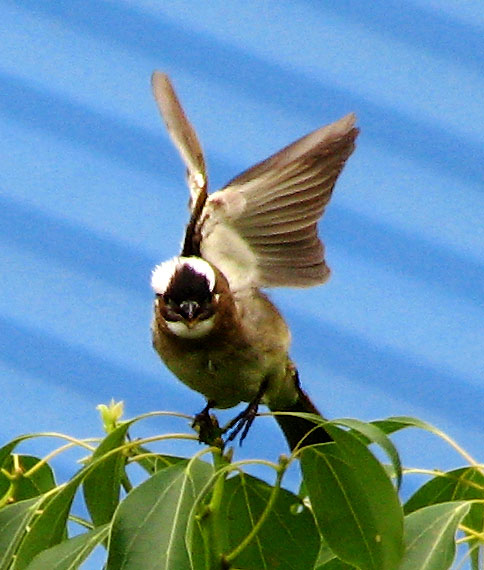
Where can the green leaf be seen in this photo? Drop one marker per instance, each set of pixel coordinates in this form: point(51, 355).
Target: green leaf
point(203, 554)
point(475, 520)
point(49, 528)
point(327, 560)
point(354, 502)
point(41, 481)
point(373, 434)
point(476, 555)
point(7, 449)
point(288, 539)
point(149, 526)
point(460, 484)
point(5, 487)
point(154, 462)
point(6, 459)
point(335, 564)
point(102, 485)
point(325, 555)
point(68, 555)
point(396, 423)
point(14, 520)
point(430, 536)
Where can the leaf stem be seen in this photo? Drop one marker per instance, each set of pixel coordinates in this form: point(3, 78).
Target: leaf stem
point(443, 474)
point(213, 532)
point(256, 528)
point(80, 442)
point(8, 495)
point(47, 458)
point(471, 534)
point(81, 522)
point(461, 451)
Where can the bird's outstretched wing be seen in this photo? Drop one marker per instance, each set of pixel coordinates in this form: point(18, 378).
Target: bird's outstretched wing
point(261, 229)
point(186, 141)
point(182, 134)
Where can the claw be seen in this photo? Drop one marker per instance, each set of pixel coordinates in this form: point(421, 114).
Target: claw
point(243, 421)
point(208, 428)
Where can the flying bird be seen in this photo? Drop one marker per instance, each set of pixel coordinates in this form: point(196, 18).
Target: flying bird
point(213, 326)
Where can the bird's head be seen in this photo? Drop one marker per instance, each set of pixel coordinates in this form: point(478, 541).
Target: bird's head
point(186, 296)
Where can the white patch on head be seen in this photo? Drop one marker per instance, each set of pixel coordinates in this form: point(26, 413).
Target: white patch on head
point(198, 330)
point(163, 273)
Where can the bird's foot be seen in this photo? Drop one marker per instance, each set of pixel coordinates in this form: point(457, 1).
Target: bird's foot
point(241, 423)
point(208, 428)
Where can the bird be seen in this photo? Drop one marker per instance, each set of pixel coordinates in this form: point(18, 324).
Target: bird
point(213, 325)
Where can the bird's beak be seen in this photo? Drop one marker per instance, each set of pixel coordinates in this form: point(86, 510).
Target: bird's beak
point(189, 311)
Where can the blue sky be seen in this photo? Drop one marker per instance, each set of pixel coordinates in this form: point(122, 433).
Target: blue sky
point(92, 196)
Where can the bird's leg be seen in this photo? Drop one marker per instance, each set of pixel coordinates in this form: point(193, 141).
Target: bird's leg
point(243, 421)
point(207, 426)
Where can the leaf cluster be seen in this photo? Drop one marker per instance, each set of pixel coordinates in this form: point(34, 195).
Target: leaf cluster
point(208, 513)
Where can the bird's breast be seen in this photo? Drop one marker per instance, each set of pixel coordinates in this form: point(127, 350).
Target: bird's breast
point(229, 363)
point(225, 373)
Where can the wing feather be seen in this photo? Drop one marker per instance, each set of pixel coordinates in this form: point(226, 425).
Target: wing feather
point(261, 229)
point(182, 134)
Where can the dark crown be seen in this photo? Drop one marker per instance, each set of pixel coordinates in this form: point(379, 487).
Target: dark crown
point(186, 283)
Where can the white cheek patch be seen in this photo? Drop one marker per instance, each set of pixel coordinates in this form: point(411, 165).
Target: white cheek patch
point(198, 330)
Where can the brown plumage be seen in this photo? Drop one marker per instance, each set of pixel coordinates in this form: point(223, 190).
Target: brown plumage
point(213, 327)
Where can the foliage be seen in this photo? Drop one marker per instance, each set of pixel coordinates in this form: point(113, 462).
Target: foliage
point(207, 513)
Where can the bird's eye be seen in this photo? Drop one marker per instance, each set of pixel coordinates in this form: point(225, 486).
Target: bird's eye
point(206, 310)
point(171, 309)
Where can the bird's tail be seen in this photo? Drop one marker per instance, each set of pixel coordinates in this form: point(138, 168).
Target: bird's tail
point(300, 431)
